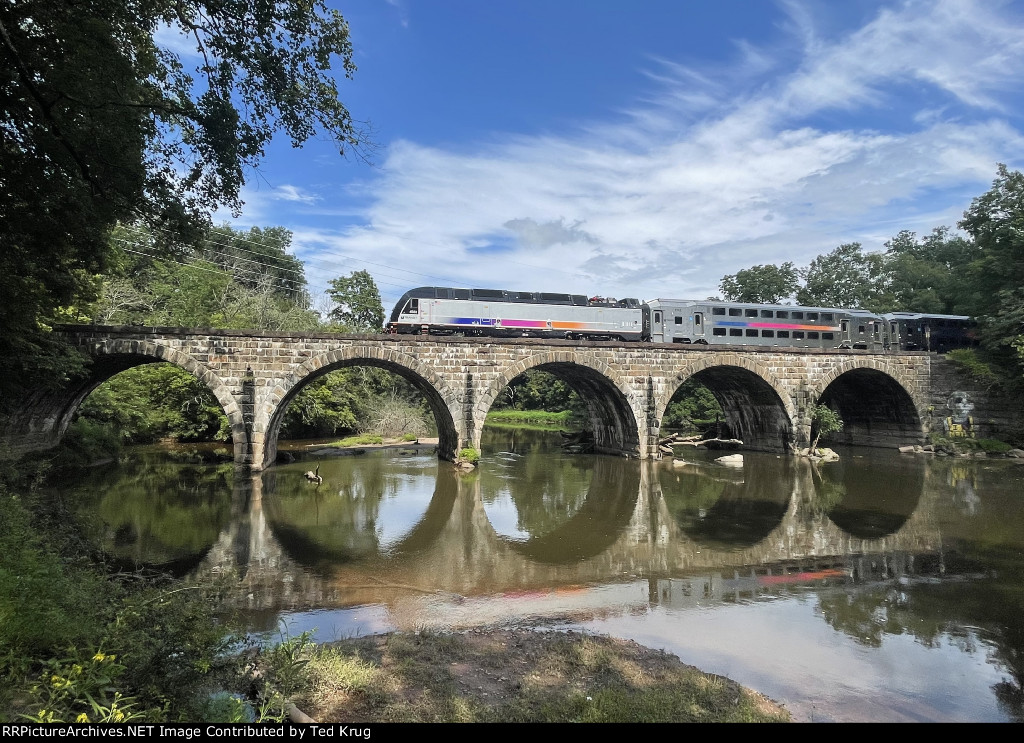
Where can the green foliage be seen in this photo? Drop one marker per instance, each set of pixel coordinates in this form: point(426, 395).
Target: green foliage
point(46, 601)
point(538, 390)
point(927, 275)
point(80, 688)
point(363, 439)
point(846, 277)
point(963, 445)
point(103, 126)
point(469, 454)
point(157, 400)
point(967, 363)
point(357, 305)
point(825, 421)
point(564, 420)
point(768, 284)
point(232, 279)
point(692, 405)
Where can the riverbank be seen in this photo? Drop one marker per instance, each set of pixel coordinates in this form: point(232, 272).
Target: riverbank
point(505, 675)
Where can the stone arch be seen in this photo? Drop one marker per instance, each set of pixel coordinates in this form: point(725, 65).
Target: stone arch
point(45, 417)
point(876, 400)
point(617, 417)
point(758, 409)
point(446, 407)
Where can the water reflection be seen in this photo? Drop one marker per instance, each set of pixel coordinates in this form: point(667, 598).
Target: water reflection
point(815, 571)
point(869, 502)
point(155, 511)
point(366, 508)
point(727, 508)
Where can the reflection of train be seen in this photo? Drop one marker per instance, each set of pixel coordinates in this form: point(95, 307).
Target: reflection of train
point(494, 312)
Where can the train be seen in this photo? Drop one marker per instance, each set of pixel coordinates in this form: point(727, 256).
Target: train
point(436, 310)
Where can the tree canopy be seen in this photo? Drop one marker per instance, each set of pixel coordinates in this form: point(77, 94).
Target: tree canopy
point(768, 284)
point(979, 273)
point(103, 125)
point(357, 305)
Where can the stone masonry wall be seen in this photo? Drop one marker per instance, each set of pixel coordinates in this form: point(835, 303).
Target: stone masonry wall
point(255, 375)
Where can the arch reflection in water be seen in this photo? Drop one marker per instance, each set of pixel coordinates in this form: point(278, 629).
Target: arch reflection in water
point(570, 509)
point(728, 508)
point(154, 512)
point(366, 507)
point(868, 501)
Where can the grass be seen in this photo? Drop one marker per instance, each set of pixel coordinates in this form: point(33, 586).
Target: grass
point(362, 439)
point(517, 676)
point(562, 420)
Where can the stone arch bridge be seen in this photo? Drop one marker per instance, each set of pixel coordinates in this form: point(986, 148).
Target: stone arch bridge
point(884, 399)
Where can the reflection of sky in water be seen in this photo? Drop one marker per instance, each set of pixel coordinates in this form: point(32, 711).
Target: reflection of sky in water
point(503, 514)
point(783, 649)
point(329, 625)
point(402, 509)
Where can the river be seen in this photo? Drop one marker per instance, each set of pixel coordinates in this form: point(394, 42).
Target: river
point(882, 587)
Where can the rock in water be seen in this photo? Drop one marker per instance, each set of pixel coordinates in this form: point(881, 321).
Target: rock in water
point(731, 460)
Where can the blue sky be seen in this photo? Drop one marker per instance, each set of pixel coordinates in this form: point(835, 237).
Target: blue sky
point(646, 149)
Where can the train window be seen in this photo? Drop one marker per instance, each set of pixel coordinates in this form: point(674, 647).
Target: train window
point(523, 296)
point(798, 315)
point(463, 293)
point(860, 329)
point(718, 310)
point(782, 314)
point(718, 331)
point(679, 320)
point(751, 332)
point(826, 317)
point(698, 319)
point(812, 335)
point(767, 333)
point(798, 335)
point(782, 334)
point(767, 313)
point(827, 336)
point(812, 315)
point(750, 313)
point(657, 317)
point(440, 293)
point(580, 300)
point(735, 312)
point(412, 307)
point(735, 332)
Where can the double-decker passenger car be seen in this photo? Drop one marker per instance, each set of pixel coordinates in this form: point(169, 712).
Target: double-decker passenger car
point(735, 323)
point(922, 332)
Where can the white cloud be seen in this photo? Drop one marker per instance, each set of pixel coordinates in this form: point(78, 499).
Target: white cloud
point(294, 193)
point(718, 171)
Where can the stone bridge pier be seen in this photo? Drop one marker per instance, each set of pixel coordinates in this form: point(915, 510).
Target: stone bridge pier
point(885, 399)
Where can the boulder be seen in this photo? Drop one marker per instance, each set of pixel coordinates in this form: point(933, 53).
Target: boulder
point(731, 460)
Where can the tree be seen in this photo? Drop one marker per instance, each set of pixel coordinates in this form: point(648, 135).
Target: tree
point(826, 421)
point(102, 125)
point(768, 284)
point(233, 279)
point(357, 305)
point(927, 275)
point(846, 277)
point(995, 221)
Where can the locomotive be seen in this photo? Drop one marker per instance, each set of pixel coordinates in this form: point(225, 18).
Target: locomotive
point(498, 313)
